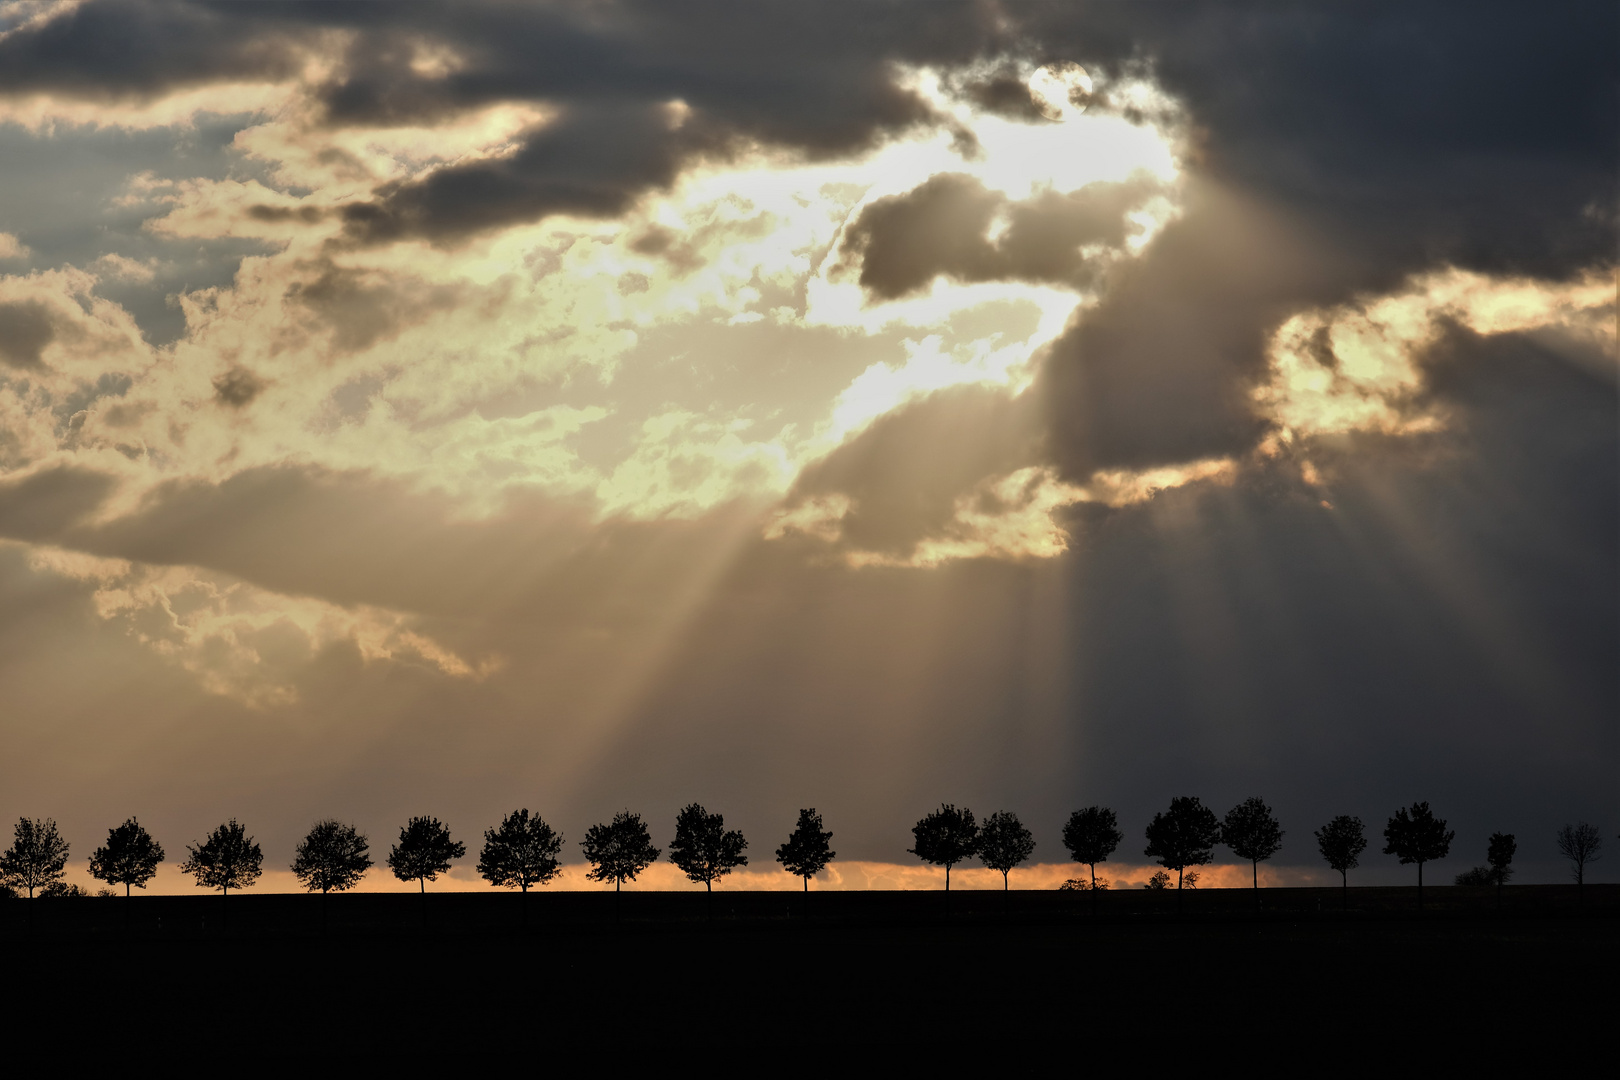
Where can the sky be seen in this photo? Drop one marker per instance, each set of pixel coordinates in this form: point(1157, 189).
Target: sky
point(440, 409)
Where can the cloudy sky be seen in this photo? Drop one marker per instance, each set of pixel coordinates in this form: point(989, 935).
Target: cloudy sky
point(440, 409)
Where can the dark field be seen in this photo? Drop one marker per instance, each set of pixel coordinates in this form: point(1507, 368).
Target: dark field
point(833, 970)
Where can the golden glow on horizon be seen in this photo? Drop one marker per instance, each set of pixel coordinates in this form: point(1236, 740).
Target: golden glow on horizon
point(843, 875)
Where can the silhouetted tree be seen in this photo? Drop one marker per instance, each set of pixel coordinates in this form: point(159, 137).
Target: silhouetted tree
point(524, 851)
point(619, 850)
point(424, 851)
point(334, 856)
point(37, 855)
point(1417, 836)
point(1184, 836)
point(1580, 844)
point(1159, 881)
point(704, 848)
point(1004, 843)
point(1341, 842)
point(945, 838)
point(130, 857)
point(1091, 835)
point(1252, 833)
point(807, 851)
point(228, 859)
point(1499, 854)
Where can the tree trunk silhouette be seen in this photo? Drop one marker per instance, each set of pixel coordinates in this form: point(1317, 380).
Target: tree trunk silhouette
point(1093, 890)
point(1344, 879)
point(1420, 884)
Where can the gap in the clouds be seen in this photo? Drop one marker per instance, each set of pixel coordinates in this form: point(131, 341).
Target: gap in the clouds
point(96, 220)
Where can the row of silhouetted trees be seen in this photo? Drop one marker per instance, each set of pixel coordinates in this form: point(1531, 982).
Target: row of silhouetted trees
point(524, 851)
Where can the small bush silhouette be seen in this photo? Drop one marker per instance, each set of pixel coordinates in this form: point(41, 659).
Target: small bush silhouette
point(1075, 884)
point(58, 890)
point(1159, 880)
point(1479, 876)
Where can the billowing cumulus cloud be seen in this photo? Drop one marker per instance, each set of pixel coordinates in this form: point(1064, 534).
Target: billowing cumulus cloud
point(441, 408)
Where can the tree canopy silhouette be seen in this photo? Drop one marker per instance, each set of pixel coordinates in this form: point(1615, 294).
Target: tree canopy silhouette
point(945, 837)
point(37, 856)
point(1253, 833)
point(228, 859)
point(619, 850)
point(1004, 842)
point(424, 851)
point(129, 857)
point(1499, 854)
point(334, 856)
point(1417, 836)
point(1580, 844)
point(1341, 842)
point(1091, 835)
point(704, 848)
point(807, 851)
point(1183, 836)
point(524, 851)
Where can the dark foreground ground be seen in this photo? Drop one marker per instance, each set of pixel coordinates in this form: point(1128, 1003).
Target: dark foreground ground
point(814, 978)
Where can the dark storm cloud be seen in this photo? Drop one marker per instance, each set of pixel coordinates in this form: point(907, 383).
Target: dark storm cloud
point(942, 227)
point(1367, 142)
point(785, 74)
point(592, 160)
point(1006, 94)
point(124, 49)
